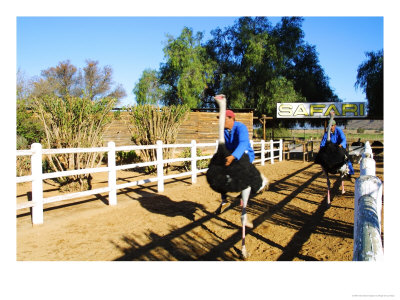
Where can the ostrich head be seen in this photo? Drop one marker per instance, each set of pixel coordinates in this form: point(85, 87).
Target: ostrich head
point(221, 101)
point(332, 113)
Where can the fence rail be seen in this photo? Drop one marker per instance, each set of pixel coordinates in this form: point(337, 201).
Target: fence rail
point(267, 152)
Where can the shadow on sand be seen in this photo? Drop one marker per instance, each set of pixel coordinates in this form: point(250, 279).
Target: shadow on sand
point(186, 244)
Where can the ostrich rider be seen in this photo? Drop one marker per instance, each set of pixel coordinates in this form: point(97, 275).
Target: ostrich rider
point(236, 139)
point(238, 143)
point(338, 137)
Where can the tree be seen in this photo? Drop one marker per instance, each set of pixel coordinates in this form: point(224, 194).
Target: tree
point(67, 80)
point(253, 58)
point(29, 129)
point(62, 81)
point(98, 82)
point(23, 86)
point(186, 74)
point(148, 90)
point(370, 79)
point(260, 65)
point(309, 77)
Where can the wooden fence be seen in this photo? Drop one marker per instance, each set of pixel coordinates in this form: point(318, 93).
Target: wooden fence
point(367, 211)
point(264, 151)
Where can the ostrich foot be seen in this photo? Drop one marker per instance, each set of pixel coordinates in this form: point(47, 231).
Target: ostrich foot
point(245, 254)
point(249, 224)
point(328, 198)
point(265, 184)
point(223, 207)
point(343, 188)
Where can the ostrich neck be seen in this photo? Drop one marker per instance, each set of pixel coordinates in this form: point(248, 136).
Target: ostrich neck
point(221, 125)
point(329, 128)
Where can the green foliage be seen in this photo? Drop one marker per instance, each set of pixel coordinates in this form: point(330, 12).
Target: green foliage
point(278, 133)
point(29, 128)
point(370, 79)
point(117, 115)
point(278, 89)
point(360, 130)
point(73, 122)
point(23, 162)
point(188, 71)
point(148, 90)
point(260, 65)
point(127, 157)
point(148, 124)
point(200, 164)
point(253, 63)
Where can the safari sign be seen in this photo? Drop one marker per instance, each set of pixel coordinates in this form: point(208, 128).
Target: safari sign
point(320, 110)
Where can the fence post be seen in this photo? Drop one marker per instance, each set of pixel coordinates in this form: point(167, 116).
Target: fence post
point(271, 142)
point(367, 210)
point(280, 149)
point(160, 167)
point(193, 153)
point(112, 175)
point(367, 151)
point(37, 184)
point(367, 166)
point(371, 187)
point(367, 238)
point(262, 152)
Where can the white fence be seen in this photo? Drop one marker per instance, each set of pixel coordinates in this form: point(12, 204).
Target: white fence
point(367, 211)
point(267, 152)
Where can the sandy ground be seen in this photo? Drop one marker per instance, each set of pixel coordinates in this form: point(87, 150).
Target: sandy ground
point(291, 221)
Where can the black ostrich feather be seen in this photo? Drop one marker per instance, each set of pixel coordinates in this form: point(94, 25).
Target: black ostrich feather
point(331, 157)
point(239, 175)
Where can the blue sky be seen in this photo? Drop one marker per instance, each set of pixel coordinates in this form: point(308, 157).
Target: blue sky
point(131, 44)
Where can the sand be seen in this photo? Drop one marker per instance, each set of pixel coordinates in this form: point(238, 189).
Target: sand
point(291, 221)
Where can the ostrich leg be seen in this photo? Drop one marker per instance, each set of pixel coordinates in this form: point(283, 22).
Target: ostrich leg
point(245, 198)
point(328, 197)
point(224, 204)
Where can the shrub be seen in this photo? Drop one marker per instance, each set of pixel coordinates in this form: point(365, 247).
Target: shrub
point(29, 127)
point(23, 162)
point(124, 157)
point(360, 130)
point(117, 115)
point(149, 123)
point(187, 165)
point(73, 122)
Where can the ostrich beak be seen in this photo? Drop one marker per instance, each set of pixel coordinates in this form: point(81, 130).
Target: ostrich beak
point(219, 97)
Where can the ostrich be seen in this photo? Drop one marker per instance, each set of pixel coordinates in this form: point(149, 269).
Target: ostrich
point(358, 148)
point(333, 160)
point(240, 176)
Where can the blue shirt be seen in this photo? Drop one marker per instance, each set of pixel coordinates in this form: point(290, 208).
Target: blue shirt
point(337, 137)
point(237, 141)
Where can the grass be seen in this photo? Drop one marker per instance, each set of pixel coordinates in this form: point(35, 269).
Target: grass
point(318, 135)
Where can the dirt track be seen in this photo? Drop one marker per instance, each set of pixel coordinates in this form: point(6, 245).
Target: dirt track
point(291, 222)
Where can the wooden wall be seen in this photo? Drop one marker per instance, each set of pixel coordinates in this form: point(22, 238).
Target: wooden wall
point(203, 126)
point(199, 126)
point(118, 131)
